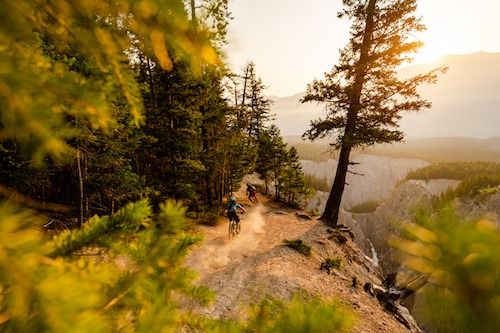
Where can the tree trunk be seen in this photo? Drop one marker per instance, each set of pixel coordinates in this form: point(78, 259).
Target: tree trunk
point(331, 213)
point(240, 113)
point(193, 13)
point(151, 83)
point(80, 181)
point(85, 179)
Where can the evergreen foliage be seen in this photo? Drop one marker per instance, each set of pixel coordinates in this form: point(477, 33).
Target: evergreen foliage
point(279, 164)
point(40, 93)
point(478, 180)
point(477, 188)
point(455, 170)
point(189, 146)
point(119, 273)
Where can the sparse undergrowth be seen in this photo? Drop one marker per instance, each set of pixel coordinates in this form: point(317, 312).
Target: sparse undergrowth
point(299, 246)
point(304, 314)
point(314, 212)
point(331, 263)
point(365, 207)
point(207, 216)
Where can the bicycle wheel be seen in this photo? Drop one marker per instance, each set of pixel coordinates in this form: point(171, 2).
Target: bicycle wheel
point(232, 229)
point(237, 228)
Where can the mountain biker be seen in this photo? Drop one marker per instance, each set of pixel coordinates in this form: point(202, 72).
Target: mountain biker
point(251, 193)
point(232, 209)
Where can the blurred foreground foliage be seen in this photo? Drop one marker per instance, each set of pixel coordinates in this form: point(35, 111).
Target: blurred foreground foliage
point(62, 59)
point(463, 262)
point(117, 274)
point(124, 273)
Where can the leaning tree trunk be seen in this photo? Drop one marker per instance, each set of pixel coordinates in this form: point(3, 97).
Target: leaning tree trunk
point(332, 209)
point(331, 213)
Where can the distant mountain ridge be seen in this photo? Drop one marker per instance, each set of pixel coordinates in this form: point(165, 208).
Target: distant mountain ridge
point(466, 101)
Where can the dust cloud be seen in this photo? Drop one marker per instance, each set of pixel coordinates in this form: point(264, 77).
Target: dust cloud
point(221, 251)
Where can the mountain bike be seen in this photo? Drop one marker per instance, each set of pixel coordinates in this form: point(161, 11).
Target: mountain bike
point(234, 228)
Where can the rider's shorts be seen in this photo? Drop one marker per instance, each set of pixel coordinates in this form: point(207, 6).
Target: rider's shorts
point(233, 216)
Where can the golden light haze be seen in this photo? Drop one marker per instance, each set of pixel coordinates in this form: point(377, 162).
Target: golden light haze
point(294, 41)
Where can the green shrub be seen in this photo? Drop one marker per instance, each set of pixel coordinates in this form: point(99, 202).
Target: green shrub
point(304, 314)
point(299, 246)
point(462, 261)
point(331, 263)
point(365, 207)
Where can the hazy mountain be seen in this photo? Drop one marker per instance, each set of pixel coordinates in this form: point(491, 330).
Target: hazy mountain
point(466, 101)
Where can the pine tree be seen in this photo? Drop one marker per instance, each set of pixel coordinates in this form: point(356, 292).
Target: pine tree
point(363, 94)
point(279, 165)
point(293, 181)
point(270, 157)
point(254, 108)
point(171, 161)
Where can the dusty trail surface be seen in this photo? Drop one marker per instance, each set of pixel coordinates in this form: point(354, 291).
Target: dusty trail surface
point(243, 270)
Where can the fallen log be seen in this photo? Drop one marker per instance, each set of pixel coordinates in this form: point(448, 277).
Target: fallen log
point(390, 295)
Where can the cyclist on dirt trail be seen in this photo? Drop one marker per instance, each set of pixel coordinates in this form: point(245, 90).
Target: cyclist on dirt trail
point(232, 209)
point(251, 193)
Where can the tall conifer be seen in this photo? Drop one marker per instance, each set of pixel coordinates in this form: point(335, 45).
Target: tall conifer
point(363, 95)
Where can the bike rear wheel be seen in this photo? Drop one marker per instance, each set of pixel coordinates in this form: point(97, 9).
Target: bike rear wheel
point(232, 229)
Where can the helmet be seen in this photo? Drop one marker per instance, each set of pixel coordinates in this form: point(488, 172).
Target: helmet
point(232, 199)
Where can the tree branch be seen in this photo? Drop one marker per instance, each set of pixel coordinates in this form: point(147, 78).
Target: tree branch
point(355, 173)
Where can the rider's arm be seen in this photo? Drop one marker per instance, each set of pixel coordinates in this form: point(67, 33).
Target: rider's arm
point(241, 207)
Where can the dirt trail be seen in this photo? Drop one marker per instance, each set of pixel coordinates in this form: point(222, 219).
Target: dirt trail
point(227, 266)
point(243, 270)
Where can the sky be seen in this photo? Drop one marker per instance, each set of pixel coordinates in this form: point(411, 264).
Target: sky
point(293, 42)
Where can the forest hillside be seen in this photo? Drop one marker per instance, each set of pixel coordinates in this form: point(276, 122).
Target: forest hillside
point(126, 142)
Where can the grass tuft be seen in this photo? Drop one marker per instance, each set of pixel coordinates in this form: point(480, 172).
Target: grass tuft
point(299, 246)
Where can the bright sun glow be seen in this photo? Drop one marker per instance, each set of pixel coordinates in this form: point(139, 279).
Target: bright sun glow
point(427, 55)
point(433, 49)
